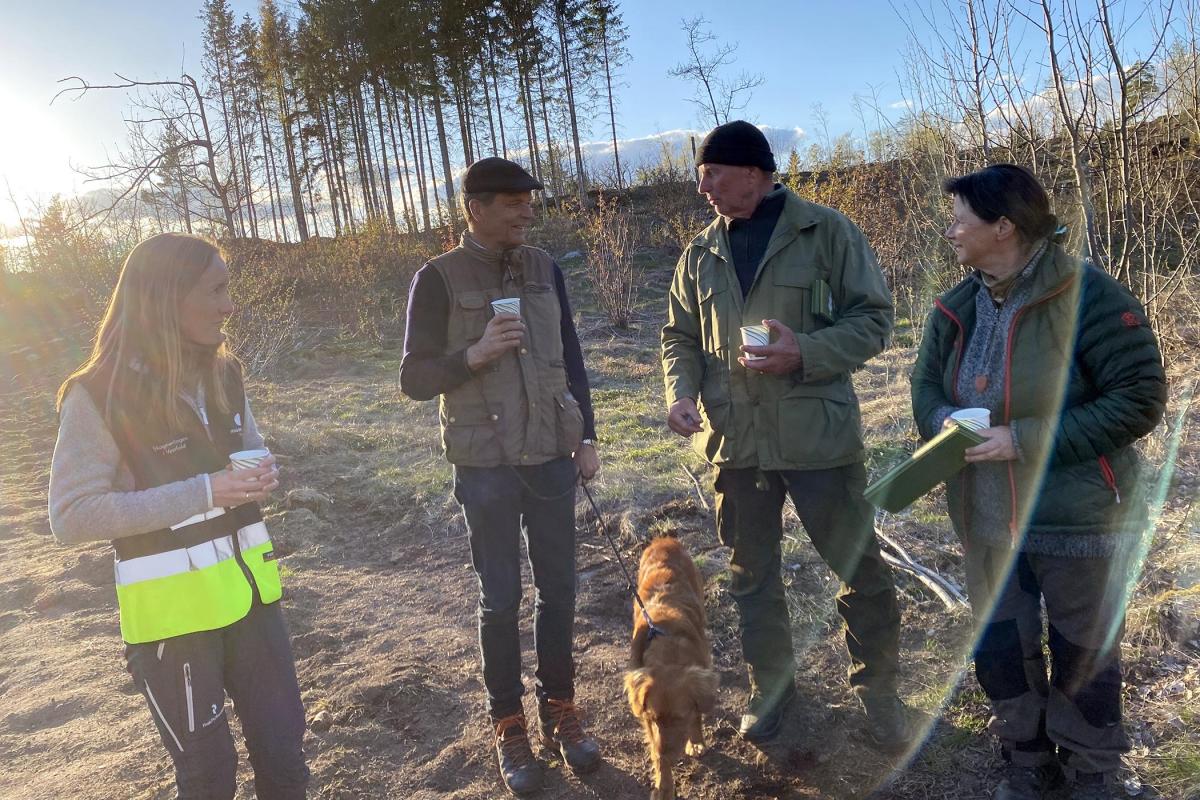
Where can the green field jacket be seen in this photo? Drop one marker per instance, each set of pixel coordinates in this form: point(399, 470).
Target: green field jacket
point(808, 419)
point(1084, 380)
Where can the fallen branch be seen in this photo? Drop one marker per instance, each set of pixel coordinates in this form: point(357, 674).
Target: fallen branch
point(696, 483)
point(930, 580)
point(947, 590)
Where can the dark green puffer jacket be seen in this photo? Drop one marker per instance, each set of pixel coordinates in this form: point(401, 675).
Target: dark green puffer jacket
point(1084, 381)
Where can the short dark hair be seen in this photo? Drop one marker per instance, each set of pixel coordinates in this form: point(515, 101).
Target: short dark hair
point(486, 198)
point(1007, 190)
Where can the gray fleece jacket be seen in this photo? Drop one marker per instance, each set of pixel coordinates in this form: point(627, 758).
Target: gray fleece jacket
point(92, 496)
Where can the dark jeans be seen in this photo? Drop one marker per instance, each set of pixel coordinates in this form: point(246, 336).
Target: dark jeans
point(1078, 707)
point(840, 524)
point(185, 680)
point(501, 504)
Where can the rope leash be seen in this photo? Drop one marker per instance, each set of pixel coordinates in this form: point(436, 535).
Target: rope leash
point(654, 629)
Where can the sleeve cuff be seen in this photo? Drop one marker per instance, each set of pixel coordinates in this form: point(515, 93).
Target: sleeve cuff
point(940, 416)
point(1016, 442)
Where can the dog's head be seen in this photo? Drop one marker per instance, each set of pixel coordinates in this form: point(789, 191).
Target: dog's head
point(668, 701)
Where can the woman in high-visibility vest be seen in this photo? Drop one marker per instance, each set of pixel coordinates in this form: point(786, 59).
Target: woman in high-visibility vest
point(146, 429)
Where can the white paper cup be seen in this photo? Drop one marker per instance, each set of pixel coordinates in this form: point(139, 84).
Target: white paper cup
point(755, 336)
point(248, 459)
point(507, 305)
point(975, 419)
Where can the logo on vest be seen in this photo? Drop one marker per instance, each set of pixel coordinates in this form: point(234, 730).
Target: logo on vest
point(172, 447)
point(217, 712)
point(237, 424)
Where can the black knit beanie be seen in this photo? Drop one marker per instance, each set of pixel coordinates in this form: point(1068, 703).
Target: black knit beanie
point(738, 144)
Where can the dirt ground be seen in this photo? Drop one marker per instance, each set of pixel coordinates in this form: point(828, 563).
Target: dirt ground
point(380, 599)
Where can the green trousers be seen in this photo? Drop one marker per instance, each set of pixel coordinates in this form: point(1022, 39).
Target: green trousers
point(840, 524)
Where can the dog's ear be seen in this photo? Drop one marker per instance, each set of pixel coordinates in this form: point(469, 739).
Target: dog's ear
point(702, 687)
point(637, 683)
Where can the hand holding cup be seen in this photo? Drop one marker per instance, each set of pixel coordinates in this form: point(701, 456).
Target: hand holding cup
point(503, 333)
point(250, 478)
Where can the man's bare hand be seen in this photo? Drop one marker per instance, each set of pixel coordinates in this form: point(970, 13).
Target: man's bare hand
point(504, 332)
point(780, 357)
point(684, 417)
point(587, 461)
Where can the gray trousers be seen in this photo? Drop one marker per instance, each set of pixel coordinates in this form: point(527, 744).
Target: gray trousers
point(1076, 710)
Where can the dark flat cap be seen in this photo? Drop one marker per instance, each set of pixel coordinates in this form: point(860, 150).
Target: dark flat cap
point(497, 175)
point(737, 143)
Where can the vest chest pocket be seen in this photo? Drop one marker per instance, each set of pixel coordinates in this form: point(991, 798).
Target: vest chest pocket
point(472, 316)
point(543, 318)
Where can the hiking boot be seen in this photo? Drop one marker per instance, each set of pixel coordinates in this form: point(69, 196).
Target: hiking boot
point(1091, 786)
point(1027, 783)
point(520, 771)
point(888, 725)
point(764, 718)
point(562, 732)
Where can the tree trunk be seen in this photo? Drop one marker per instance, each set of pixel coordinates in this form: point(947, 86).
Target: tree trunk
point(612, 114)
point(496, 87)
point(387, 176)
point(556, 177)
point(446, 172)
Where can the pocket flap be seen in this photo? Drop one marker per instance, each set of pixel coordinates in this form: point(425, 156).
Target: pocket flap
point(838, 391)
point(711, 281)
point(472, 300)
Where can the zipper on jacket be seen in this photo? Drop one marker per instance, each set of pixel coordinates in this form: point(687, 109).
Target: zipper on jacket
point(187, 691)
point(960, 343)
point(1110, 477)
point(1008, 346)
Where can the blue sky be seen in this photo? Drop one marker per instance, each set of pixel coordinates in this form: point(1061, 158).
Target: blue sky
point(809, 52)
point(41, 42)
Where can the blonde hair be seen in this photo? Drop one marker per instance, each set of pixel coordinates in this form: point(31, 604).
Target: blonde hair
point(139, 338)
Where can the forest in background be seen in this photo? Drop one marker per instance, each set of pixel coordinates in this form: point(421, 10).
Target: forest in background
point(341, 128)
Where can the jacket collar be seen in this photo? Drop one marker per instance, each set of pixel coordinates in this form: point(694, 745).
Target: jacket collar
point(1053, 272)
point(797, 215)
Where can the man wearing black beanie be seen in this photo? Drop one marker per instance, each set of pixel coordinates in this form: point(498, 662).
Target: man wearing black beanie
point(782, 418)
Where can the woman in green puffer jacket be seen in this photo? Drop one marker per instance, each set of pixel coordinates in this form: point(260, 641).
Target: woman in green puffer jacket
point(1048, 508)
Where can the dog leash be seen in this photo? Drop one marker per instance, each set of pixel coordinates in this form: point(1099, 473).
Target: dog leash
point(654, 629)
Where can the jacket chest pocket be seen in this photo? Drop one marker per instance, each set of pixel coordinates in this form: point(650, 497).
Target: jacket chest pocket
point(792, 298)
point(472, 313)
point(716, 311)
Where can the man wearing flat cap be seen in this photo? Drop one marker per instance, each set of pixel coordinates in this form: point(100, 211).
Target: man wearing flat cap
point(782, 418)
point(517, 424)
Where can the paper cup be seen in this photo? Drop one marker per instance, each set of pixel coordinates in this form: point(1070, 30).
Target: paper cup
point(755, 336)
point(975, 419)
point(507, 305)
point(248, 459)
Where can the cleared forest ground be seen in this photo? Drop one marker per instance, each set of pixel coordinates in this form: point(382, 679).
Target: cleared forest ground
point(380, 598)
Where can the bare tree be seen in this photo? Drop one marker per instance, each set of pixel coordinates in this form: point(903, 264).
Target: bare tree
point(716, 97)
point(177, 103)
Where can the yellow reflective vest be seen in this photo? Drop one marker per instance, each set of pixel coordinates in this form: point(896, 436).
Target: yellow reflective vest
point(204, 572)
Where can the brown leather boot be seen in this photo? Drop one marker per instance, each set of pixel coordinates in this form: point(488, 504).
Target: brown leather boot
point(520, 771)
point(562, 732)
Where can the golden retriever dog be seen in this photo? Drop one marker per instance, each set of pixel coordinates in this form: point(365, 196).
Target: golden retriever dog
point(670, 682)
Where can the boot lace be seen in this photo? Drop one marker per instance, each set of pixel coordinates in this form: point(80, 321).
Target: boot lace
point(513, 740)
point(568, 727)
